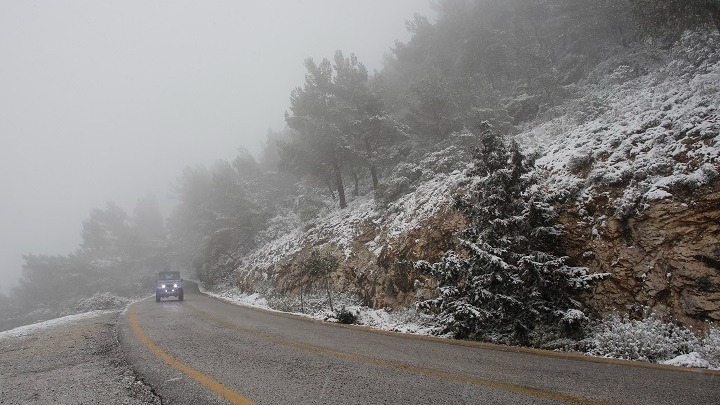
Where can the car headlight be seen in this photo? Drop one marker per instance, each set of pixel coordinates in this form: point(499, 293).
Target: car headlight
point(162, 286)
point(175, 286)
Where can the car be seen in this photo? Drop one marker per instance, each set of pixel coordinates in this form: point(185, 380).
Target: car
point(169, 284)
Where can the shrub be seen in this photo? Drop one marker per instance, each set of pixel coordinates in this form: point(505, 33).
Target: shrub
point(710, 347)
point(580, 164)
point(318, 267)
point(649, 339)
point(345, 316)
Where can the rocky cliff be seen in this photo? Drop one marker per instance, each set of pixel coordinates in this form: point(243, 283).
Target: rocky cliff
point(640, 183)
point(665, 260)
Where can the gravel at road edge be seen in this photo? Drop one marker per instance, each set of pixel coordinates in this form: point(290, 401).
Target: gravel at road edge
point(79, 362)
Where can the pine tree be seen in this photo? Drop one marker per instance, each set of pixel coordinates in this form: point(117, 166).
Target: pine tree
point(507, 282)
point(366, 118)
point(106, 232)
point(433, 109)
point(321, 147)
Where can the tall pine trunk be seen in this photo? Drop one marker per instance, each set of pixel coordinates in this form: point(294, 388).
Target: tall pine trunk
point(373, 174)
point(339, 186)
point(371, 165)
point(356, 190)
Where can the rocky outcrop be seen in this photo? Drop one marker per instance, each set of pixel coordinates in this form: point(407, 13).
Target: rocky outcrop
point(665, 260)
point(376, 268)
point(427, 242)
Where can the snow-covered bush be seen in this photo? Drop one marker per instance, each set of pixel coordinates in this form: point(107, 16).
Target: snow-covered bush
point(652, 339)
point(649, 339)
point(346, 316)
point(579, 163)
point(709, 349)
point(574, 323)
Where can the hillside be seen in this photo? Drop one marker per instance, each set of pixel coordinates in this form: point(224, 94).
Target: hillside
point(634, 158)
point(640, 180)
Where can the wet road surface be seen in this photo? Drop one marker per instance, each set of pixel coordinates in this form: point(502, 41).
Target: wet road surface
point(204, 350)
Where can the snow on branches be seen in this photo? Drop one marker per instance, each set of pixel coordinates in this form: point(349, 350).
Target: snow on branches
point(506, 282)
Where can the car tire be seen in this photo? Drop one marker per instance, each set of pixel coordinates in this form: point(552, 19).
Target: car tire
point(181, 296)
point(157, 298)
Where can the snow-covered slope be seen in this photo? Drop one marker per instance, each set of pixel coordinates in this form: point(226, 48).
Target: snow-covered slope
point(340, 229)
point(639, 178)
point(653, 129)
point(642, 132)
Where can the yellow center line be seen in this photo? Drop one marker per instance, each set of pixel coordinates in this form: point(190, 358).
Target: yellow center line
point(198, 376)
point(504, 386)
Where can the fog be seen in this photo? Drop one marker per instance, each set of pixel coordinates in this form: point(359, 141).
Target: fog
point(107, 101)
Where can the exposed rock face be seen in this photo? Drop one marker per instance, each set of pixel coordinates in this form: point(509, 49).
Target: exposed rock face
point(665, 261)
point(377, 276)
point(429, 242)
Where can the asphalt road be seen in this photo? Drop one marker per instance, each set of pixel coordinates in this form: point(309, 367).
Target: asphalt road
point(206, 351)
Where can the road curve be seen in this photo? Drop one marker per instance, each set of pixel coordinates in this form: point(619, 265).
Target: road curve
point(204, 350)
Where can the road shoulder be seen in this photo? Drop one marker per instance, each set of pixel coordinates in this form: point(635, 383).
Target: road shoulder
point(73, 360)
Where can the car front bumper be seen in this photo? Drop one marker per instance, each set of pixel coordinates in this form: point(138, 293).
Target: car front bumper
point(168, 292)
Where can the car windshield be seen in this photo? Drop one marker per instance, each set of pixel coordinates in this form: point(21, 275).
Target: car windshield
point(171, 275)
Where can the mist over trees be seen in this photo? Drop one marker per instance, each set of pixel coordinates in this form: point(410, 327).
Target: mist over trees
point(341, 124)
point(118, 255)
point(352, 133)
point(221, 212)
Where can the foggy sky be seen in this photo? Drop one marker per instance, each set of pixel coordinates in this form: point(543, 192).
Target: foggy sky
point(109, 100)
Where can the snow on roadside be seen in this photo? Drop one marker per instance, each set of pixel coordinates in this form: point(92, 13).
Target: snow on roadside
point(35, 327)
point(411, 322)
point(237, 297)
point(404, 321)
point(692, 359)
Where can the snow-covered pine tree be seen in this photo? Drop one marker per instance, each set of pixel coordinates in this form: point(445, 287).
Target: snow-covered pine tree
point(507, 282)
